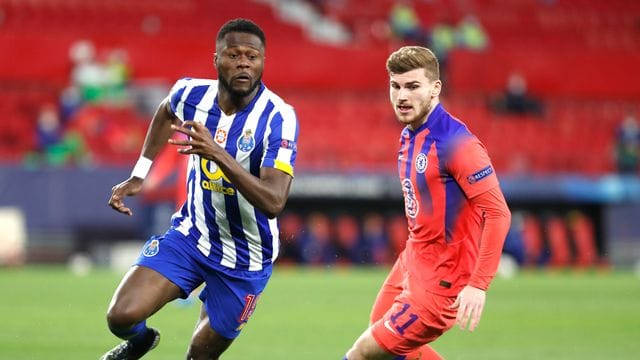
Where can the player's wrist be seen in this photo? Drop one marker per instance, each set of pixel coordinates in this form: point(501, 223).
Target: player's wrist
point(479, 284)
point(142, 167)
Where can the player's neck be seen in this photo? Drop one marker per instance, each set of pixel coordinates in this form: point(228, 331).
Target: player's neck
point(416, 124)
point(231, 104)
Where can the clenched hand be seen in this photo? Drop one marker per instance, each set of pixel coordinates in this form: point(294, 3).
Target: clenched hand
point(199, 142)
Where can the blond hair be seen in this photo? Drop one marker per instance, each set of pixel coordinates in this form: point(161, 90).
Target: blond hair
point(409, 58)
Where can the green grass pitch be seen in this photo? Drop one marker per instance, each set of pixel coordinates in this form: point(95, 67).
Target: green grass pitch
point(47, 313)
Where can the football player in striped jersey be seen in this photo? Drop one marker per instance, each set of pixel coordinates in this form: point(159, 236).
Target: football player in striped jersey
point(241, 141)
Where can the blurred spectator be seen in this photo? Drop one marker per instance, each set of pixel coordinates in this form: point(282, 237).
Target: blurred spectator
point(291, 227)
point(558, 238)
point(627, 146)
point(70, 101)
point(99, 81)
point(49, 127)
point(87, 74)
point(398, 234)
point(405, 23)
point(516, 98)
point(317, 243)
point(514, 242)
point(470, 34)
point(375, 239)
point(443, 41)
point(112, 135)
point(533, 240)
point(584, 239)
point(56, 146)
point(350, 249)
point(117, 73)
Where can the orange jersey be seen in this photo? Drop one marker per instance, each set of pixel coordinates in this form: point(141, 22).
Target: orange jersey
point(442, 168)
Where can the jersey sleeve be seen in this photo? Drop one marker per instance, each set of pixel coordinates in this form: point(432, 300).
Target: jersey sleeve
point(471, 167)
point(497, 219)
point(176, 97)
point(281, 148)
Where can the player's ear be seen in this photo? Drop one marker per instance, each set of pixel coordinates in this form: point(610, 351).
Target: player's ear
point(437, 88)
point(215, 59)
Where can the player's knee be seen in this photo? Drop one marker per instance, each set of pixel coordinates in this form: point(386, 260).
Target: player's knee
point(355, 353)
point(366, 348)
point(122, 317)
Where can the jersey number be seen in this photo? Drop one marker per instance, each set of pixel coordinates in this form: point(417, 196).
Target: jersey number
point(394, 319)
point(249, 306)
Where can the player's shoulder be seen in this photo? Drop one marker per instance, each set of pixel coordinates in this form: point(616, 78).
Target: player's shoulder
point(451, 127)
point(280, 105)
point(187, 82)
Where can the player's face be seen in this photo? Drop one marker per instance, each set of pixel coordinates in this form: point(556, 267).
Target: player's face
point(412, 95)
point(239, 60)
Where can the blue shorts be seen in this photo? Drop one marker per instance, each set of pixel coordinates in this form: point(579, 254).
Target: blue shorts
point(229, 295)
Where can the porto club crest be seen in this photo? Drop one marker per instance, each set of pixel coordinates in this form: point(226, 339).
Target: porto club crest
point(246, 142)
point(151, 248)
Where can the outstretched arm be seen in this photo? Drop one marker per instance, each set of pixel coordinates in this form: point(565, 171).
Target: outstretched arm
point(268, 193)
point(157, 135)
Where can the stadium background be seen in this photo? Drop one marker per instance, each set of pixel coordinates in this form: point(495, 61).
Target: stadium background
point(574, 210)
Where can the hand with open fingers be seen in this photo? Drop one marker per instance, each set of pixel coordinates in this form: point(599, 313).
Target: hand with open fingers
point(199, 141)
point(469, 303)
point(129, 187)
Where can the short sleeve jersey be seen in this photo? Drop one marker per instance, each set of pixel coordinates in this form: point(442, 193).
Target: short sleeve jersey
point(442, 166)
point(226, 227)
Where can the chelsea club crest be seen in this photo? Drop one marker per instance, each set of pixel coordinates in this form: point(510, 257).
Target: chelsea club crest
point(421, 163)
point(246, 142)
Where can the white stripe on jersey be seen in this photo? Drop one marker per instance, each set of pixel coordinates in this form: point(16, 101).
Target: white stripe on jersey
point(228, 244)
point(204, 245)
point(201, 117)
point(284, 155)
point(246, 209)
point(184, 226)
point(276, 240)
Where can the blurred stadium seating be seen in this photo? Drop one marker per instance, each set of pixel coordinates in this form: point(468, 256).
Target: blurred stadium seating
point(579, 56)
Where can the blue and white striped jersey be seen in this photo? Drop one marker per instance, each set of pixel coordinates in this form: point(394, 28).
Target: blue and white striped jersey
point(229, 230)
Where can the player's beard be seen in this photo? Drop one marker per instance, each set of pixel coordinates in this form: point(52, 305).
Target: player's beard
point(239, 93)
point(419, 118)
point(425, 112)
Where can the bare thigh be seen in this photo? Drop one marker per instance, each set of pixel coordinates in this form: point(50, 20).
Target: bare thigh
point(206, 343)
point(141, 293)
point(390, 289)
point(367, 348)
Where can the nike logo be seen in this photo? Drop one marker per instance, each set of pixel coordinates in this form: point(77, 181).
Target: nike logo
point(387, 324)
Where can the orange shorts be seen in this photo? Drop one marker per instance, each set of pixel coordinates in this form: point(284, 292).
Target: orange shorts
point(408, 323)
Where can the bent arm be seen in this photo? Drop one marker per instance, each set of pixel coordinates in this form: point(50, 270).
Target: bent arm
point(268, 193)
point(159, 130)
point(497, 219)
point(157, 136)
